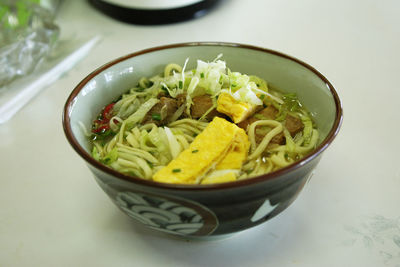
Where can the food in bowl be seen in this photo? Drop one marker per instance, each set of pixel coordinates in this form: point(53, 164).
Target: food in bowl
point(205, 125)
point(207, 210)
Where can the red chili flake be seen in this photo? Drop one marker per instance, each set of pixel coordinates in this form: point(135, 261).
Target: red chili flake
point(107, 112)
point(102, 124)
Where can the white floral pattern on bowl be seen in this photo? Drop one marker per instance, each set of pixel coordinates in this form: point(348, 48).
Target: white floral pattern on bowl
point(166, 215)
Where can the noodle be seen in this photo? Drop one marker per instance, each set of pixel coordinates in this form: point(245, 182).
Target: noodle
point(257, 150)
point(130, 137)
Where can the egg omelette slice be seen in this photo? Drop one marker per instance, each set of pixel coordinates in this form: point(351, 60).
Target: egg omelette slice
point(237, 110)
point(227, 170)
point(203, 154)
point(237, 155)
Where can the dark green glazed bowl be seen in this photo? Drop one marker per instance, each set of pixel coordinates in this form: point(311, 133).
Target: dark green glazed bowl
point(203, 211)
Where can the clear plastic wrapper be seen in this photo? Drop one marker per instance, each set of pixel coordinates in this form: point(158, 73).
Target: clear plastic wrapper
point(28, 35)
point(33, 54)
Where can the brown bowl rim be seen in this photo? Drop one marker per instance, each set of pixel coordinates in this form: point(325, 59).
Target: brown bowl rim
point(258, 179)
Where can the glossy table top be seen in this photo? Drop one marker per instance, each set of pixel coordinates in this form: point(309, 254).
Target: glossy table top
point(52, 212)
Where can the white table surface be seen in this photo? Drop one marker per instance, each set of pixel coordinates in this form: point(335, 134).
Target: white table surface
point(52, 212)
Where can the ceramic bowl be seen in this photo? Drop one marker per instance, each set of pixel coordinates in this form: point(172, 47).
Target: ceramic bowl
point(203, 211)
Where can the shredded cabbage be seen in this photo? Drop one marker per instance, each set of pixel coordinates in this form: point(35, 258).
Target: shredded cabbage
point(237, 80)
point(209, 75)
point(174, 146)
point(212, 78)
point(290, 144)
point(95, 153)
point(216, 173)
point(156, 137)
point(192, 86)
point(141, 112)
point(246, 94)
point(247, 88)
point(111, 156)
point(261, 83)
point(308, 128)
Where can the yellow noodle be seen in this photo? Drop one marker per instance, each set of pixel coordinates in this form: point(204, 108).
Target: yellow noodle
point(170, 68)
point(257, 150)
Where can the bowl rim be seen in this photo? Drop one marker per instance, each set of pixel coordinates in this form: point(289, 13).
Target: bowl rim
point(235, 184)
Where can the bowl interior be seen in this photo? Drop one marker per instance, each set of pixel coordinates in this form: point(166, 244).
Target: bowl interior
point(280, 71)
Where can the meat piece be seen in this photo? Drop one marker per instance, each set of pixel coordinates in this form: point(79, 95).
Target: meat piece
point(161, 112)
point(294, 125)
point(278, 139)
point(269, 112)
point(244, 124)
point(201, 104)
point(181, 99)
point(161, 94)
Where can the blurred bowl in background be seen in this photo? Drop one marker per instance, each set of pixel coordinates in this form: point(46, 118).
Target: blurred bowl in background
point(154, 12)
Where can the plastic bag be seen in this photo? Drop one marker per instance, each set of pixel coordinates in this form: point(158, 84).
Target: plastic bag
point(28, 35)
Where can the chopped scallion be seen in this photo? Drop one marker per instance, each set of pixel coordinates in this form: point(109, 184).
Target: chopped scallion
point(176, 170)
point(249, 171)
point(156, 116)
